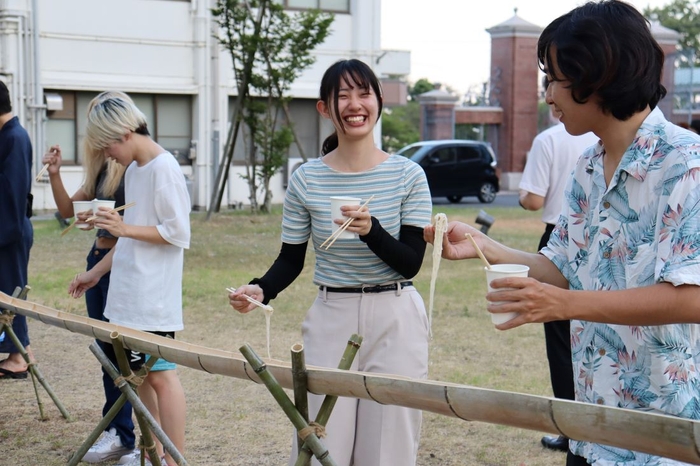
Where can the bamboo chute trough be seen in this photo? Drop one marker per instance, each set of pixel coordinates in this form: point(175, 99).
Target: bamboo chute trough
point(656, 434)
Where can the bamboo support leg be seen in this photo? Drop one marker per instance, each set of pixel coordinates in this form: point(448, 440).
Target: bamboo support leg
point(136, 403)
point(286, 404)
point(324, 412)
point(95, 434)
point(21, 293)
point(300, 379)
point(148, 443)
point(104, 422)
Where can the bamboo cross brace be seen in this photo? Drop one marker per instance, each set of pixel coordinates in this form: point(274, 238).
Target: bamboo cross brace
point(336, 234)
point(137, 404)
point(320, 451)
point(37, 376)
point(324, 412)
point(103, 425)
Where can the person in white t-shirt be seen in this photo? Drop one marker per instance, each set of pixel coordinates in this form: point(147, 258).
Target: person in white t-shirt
point(551, 160)
point(146, 264)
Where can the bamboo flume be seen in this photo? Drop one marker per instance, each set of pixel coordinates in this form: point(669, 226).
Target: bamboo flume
point(656, 434)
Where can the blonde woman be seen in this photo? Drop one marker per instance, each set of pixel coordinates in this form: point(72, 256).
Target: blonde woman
point(147, 262)
point(103, 180)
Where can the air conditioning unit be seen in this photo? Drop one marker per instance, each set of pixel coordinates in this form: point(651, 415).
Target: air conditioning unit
point(292, 164)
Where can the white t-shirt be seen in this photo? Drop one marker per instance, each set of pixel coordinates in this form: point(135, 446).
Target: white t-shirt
point(145, 289)
point(549, 164)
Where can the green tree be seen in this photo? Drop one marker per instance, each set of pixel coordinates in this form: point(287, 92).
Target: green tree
point(269, 49)
point(420, 87)
point(400, 126)
point(682, 16)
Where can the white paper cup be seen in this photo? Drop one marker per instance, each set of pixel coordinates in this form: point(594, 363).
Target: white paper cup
point(502, 271)
point(336, 203)
point(97, 203)
point(81, 206)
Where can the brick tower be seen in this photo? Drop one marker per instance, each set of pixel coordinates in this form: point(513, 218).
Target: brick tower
point(668, 41)
point(514, 85)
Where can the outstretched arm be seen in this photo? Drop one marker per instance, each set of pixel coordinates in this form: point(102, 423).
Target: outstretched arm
point(86, 280)
point(455, 246)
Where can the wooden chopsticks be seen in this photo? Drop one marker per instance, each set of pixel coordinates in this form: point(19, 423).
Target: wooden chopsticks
point(94, 217)
point(118, 209)
point(336, 234)
point(41, 172)
point(252, 300)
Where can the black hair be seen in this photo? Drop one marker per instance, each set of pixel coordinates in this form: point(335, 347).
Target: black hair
point(353, 71)
point(5, 103)
point(605, 49)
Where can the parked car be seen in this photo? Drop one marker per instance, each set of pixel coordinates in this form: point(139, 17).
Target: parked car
point(457, 168)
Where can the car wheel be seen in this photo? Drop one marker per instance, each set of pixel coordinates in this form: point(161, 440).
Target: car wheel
point(454, 199)
point(487, 193)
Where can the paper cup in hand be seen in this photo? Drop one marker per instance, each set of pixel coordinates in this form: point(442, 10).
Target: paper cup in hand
point(336, 203)
point(504, 271)
point(81, 206)
point(97, 203)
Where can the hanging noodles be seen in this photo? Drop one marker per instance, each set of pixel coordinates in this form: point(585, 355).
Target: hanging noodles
point(440, 223)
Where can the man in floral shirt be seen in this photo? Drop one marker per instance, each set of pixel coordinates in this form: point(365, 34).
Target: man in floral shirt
point(623, 263)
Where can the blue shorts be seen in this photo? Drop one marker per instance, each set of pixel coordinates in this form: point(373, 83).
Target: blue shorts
point(137, 359)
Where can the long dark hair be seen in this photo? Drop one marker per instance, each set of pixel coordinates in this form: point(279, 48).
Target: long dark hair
point(354, 72)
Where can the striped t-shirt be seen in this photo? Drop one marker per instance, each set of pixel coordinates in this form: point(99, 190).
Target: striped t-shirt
point(401, 197)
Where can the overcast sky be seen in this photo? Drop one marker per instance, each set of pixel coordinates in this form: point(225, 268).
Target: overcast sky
point(448, 39)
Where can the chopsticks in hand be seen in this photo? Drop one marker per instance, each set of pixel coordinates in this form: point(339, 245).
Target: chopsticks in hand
point(92, 218)
point(41, 172)
point(336, 234)
point(252, 300)
point(118, 209)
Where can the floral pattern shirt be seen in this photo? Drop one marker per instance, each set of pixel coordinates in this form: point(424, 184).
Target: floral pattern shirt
point(642, 229)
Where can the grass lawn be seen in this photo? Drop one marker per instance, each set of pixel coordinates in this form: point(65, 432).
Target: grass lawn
point(236, 422)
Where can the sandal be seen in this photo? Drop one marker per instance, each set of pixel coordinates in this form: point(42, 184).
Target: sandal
point(6, 374)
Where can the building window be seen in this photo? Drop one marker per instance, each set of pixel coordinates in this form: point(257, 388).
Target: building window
point(310, 129)
point(340, 6)
point(169, 120)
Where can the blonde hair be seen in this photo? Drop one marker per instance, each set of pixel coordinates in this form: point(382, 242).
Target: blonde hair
point(110, 116)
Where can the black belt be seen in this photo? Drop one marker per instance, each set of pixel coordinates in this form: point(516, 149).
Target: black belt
point(366, 288)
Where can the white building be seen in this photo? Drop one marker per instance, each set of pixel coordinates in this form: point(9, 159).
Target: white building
point(56, 55)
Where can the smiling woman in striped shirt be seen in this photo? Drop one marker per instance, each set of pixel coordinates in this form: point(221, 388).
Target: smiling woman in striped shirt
point(364, 281)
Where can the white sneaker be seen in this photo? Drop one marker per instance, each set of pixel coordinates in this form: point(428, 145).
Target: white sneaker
point(129, 458)
point(108, 447)
point(134, 459)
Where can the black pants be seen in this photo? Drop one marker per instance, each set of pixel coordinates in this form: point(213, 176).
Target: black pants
point(558, 342)
point(573, 460)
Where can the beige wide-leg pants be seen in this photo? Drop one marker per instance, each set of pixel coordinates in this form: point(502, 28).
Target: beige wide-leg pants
point(394, 328)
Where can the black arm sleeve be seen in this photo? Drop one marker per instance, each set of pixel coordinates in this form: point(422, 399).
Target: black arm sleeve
point(404, 255)
point(285, 269)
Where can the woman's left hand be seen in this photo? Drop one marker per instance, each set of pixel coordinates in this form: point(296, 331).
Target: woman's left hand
point(362, 219)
